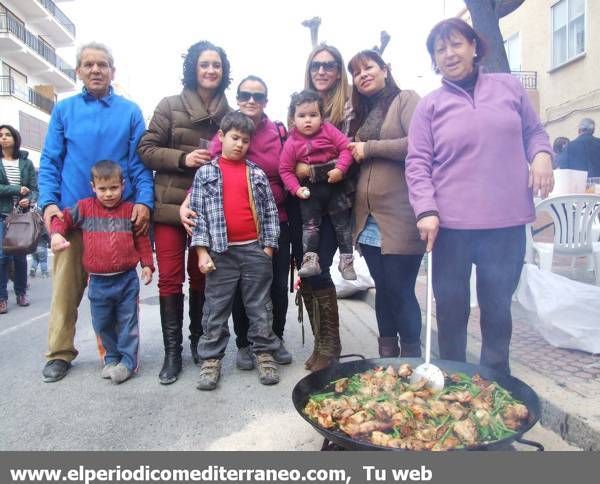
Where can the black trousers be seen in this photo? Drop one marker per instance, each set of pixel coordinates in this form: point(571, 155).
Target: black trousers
point(326, 198)
point(279, 295)
point(498, 255)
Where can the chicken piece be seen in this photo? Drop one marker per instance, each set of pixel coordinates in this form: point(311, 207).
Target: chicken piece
point(426, 433)
point(380, 438)
point(405, 370)
point(425, 393)
point(457, 411)
point(516, 411)
point(346, 414)
point(466, 431)
point(390, 370)
point(384, 410)
point(359, 417)
point(341, 385)
point(399, 418)
point(419, 411)
point(512, 424)
point(366, 427)
point(406, 397)
point(483, 416)
point(325, 420)
point(388, 382)
point(462, 397)
point(354, 403)
point(422, 383)
point(437, 408)
point(396, 444)
point(449, 443)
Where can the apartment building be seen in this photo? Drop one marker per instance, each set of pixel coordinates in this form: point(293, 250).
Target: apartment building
point(31, 72)
point(558, 43)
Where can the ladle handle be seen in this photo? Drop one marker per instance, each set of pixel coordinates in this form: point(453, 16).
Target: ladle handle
point(428, 307)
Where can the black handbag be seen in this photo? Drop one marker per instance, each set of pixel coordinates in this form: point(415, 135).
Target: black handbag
point(22, 232)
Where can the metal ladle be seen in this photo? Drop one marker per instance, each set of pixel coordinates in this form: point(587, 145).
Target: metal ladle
point(428, 371)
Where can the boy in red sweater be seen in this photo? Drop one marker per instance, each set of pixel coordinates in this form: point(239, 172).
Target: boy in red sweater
point(236, 232)
point(111, 252)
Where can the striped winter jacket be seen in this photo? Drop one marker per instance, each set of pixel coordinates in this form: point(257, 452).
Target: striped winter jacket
point(109, 244)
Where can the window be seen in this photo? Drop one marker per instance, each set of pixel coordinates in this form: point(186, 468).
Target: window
point(512, 46)
point(568, 30)
point(33, 131)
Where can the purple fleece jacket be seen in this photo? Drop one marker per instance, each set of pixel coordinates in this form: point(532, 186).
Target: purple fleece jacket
point(468, 159)
point(265, 147)
point(327, 144)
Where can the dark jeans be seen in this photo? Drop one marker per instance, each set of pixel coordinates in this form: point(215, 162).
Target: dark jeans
point(20, 265)
point(327, 245)
point(325, 198)
point(248, 266)
point(279, 295)
point(396, 306)
point(114, 306)
point(498, 255)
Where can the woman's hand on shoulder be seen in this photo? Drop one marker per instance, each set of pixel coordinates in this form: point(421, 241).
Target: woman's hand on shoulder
point(358, 150)
point(428, 228)
point(541, 177)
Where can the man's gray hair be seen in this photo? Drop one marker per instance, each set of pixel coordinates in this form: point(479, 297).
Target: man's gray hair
point(587, 125)
point(95, 46)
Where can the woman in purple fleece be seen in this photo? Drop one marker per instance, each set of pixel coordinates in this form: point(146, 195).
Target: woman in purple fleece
point(477, 154)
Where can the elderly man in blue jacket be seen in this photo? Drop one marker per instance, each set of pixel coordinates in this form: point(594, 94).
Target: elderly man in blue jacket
point(93, 125)
point(583, 153)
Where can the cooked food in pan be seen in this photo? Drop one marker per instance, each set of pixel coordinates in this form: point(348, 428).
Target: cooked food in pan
point(381, 407)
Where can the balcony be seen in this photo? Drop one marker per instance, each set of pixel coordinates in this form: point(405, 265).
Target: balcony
point(528, 78)
point(50, 20)
point(19, 45)
point(10, 87)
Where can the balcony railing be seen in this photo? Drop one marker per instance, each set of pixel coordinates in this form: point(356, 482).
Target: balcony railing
point(10, 87)
point(9, 23)
point(528, 78)
point(59, 15)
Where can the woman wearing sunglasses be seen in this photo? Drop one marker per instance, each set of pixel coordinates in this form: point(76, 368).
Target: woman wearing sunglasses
point(170, 147)
point(326, 75)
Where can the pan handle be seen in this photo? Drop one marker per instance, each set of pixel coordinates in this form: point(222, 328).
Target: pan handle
point(352, 355)
point(532, 443)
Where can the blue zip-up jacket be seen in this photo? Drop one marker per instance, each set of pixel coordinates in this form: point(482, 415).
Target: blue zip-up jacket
point(82, 131)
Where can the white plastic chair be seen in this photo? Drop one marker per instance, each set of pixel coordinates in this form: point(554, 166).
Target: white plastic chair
point(573, 217)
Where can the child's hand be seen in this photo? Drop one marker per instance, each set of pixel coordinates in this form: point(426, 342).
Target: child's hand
point(205, 263)
point(58, 243)
point(358, 150)
point(146, 275)
point(334, 176)
point(303, 193)
point(268, 251)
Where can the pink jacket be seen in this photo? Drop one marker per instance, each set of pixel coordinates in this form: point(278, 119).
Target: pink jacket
point(264, 150)
point(325, 145)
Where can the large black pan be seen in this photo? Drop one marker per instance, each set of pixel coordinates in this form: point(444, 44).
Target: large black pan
point(316, 382)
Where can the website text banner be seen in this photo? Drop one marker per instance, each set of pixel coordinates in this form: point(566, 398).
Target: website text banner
point(298, 467)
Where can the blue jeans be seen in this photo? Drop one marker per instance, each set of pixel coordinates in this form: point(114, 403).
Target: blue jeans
point(498, 255)
point(114, 306)
point(396, 306)
point(20, 264)
point(40, 256)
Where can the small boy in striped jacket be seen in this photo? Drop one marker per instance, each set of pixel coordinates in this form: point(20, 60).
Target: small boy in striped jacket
point(111, 253)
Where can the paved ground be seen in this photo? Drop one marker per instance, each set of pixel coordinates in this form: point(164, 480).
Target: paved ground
point(84, 412)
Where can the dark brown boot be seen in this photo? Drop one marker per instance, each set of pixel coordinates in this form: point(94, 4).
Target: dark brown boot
point(388, 347)
point(305, 295)
point(330, 346)
point(410, 350)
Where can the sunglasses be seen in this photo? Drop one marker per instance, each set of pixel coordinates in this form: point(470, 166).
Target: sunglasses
point(327, 66)
point(245, 96)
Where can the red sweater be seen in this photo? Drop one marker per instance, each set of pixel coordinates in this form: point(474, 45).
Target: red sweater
point(240, 222)
point(109, 244)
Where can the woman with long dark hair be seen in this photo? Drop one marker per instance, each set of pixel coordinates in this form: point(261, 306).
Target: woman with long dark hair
point(18, 191)
point(171, 147)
